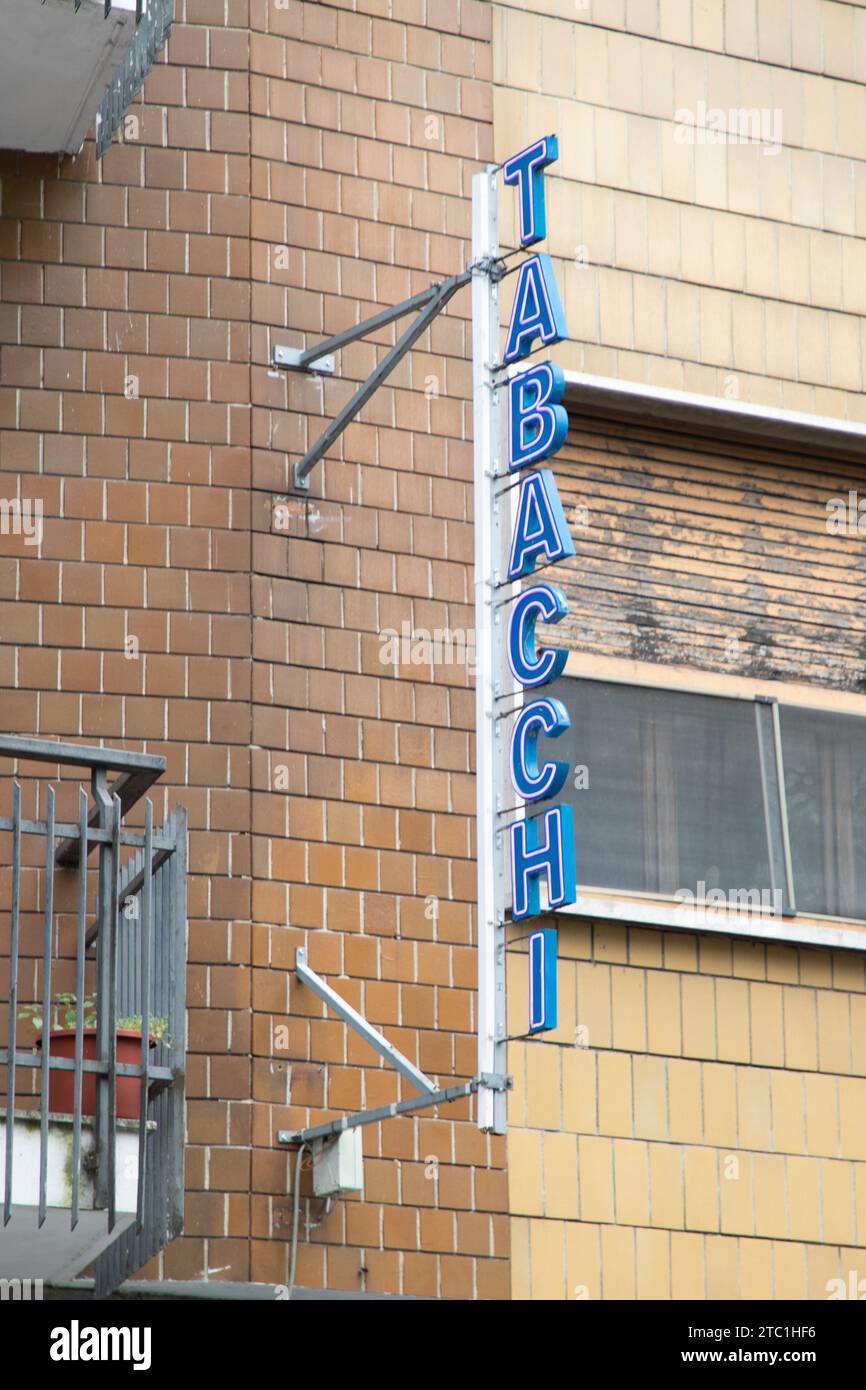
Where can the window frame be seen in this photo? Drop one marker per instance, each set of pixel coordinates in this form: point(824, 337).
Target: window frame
point(659, 910)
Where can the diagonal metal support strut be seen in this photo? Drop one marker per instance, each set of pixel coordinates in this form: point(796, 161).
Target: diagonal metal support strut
point(357, 1021)
point(308, 356)
point(428, 304)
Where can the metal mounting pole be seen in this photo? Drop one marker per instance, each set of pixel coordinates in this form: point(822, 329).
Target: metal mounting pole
point(489, 845)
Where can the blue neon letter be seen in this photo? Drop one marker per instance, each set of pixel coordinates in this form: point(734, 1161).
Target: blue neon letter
point(551, 717)
point(538, 423)
point(553, 858)
point(540, 527)
point(537, 309)
point(527, 666)
point(525, 169)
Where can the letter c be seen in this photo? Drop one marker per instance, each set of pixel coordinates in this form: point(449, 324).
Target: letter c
point(528, 666)
point(540, 716)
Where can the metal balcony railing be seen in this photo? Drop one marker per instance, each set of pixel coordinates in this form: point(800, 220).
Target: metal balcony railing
point(110, 936)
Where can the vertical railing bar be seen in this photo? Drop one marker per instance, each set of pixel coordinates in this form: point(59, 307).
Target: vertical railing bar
point(103, 974)
point(80, 947)
point(145, 930)
point(112, 1015)
point(46, 1007)
point(176, 926)
point(161, 1169)
point(783, 809)
point(161, 992)
point(13, 997)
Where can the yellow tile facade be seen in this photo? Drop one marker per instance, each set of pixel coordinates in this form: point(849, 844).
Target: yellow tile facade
point(638, 1171)
point(696, 1126)
point(684, 261)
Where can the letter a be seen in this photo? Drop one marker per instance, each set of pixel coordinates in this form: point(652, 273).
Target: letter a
point(540, 527)
point(537, 309)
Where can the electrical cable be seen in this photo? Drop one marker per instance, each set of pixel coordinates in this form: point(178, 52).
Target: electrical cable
point(296, 1216)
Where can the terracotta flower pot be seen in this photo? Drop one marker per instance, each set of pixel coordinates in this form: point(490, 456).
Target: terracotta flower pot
point(61, 1084)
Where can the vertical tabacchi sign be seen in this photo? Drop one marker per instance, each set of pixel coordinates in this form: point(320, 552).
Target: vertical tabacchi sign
point(509, 657)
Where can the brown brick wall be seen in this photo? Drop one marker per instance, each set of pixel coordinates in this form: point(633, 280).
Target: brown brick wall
point(294, 168)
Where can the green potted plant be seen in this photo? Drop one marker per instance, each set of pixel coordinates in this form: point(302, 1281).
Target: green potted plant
point(64, 1021)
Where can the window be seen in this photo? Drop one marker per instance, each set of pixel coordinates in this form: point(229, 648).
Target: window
point(825, 783)
point(727, 801)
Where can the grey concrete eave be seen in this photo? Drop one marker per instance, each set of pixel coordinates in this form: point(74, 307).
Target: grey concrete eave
point(55, 67)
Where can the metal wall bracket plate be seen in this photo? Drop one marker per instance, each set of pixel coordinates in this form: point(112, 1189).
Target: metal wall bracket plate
point(290, 359)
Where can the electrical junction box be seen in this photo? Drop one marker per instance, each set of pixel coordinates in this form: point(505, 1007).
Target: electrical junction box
point(338, 1164)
